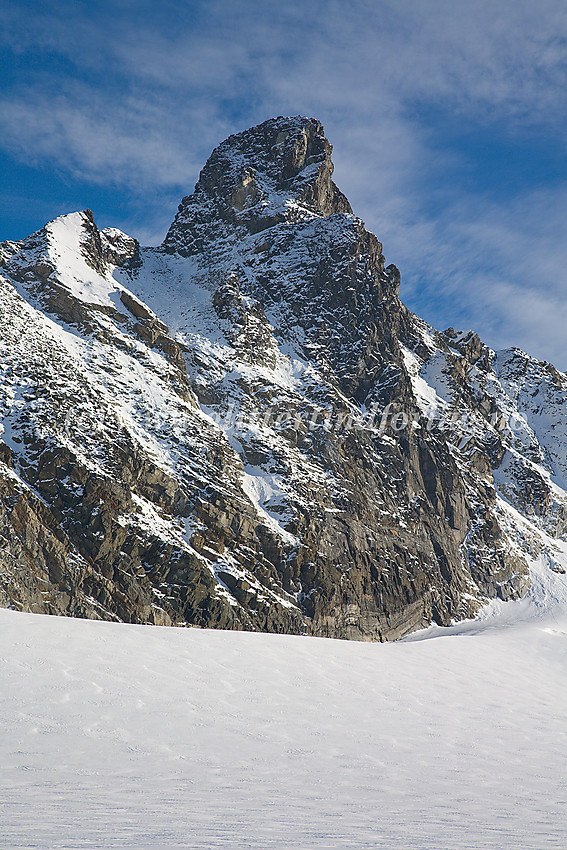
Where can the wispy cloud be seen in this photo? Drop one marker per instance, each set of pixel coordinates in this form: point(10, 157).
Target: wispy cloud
point(498, 268)
point(126, 143)
point(136, 96)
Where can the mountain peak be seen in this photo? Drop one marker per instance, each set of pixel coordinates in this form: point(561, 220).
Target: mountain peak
point(278, 171)
point(261, 435)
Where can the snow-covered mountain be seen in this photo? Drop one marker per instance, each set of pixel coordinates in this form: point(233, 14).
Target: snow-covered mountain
point(245, 428)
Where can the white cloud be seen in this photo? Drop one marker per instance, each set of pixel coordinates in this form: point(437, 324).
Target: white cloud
point(123, 142)
point(500, 269)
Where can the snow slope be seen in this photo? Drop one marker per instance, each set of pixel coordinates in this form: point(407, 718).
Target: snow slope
point(138, 736)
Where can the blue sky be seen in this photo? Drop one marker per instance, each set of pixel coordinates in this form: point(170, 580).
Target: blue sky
point(448, 120)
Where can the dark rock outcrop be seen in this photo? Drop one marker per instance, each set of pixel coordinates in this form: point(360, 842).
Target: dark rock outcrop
point(249, 179)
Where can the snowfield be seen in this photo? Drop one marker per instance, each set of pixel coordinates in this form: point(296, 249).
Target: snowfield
point(140, 736)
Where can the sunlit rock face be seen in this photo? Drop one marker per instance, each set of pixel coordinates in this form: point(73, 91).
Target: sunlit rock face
point(277, 172)
point(245, 428)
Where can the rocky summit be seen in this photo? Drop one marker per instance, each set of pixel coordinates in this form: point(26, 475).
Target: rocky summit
point(245, 428)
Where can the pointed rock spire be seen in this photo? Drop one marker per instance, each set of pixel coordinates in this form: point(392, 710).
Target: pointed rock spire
point(280, 170)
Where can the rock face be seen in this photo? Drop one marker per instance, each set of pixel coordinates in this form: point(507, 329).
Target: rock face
point(245, 428)
point(277, 172)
